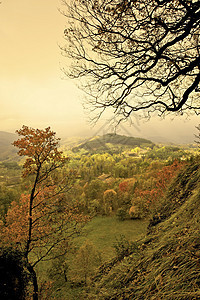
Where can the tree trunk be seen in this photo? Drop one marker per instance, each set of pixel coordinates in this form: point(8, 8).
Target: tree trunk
point(34, 280)
point(30, 226)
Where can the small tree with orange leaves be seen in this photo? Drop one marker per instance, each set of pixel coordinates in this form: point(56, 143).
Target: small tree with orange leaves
point(41, 223)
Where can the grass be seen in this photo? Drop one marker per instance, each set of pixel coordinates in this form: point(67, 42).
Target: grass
point(104, 231)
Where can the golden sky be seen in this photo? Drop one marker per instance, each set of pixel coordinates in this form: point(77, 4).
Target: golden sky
point(32, 90)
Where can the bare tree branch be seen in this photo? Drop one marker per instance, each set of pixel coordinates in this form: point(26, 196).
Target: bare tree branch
point(135, 55)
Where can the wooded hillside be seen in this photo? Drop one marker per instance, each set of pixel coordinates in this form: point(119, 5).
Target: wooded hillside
point(110, 141)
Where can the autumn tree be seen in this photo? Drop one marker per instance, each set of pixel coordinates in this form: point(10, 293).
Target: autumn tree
point(86, 260)
point(42, 221)
point(110, 201)
point(126, 185)
point(135, 55)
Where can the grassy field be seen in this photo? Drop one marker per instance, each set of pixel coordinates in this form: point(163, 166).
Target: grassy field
point(104, 232)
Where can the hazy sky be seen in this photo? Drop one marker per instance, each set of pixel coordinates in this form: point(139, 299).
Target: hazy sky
point(32, 90)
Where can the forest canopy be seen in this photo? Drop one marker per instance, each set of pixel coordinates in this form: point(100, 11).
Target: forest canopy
point(135, 55)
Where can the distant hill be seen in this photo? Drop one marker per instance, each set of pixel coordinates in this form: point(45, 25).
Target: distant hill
point(7, 150)
point(112, 141)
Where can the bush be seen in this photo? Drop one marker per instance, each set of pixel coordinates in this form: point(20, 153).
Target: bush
point(135, 211)
point(124, 247)
point(121, 214)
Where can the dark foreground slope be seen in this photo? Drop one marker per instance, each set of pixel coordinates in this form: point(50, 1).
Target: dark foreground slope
point(166, 264)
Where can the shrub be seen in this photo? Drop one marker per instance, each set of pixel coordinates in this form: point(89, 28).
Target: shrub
point(124, 247)
point(121, 214)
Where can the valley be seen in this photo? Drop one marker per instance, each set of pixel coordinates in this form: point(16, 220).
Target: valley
point(122, 185)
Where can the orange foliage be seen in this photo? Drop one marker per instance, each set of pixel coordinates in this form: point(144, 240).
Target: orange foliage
point(110, 192)
point(163, 179)
point(40, 147)
point(15, 230)
point(126, 185)
point(51, 217)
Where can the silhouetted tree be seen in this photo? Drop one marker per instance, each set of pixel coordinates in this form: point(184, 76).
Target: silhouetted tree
point(136, 55)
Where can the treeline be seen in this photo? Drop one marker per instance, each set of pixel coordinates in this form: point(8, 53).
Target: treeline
point(127, 184)
point(105, 184)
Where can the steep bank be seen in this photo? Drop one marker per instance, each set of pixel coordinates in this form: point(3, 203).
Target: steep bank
point(166, 264)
